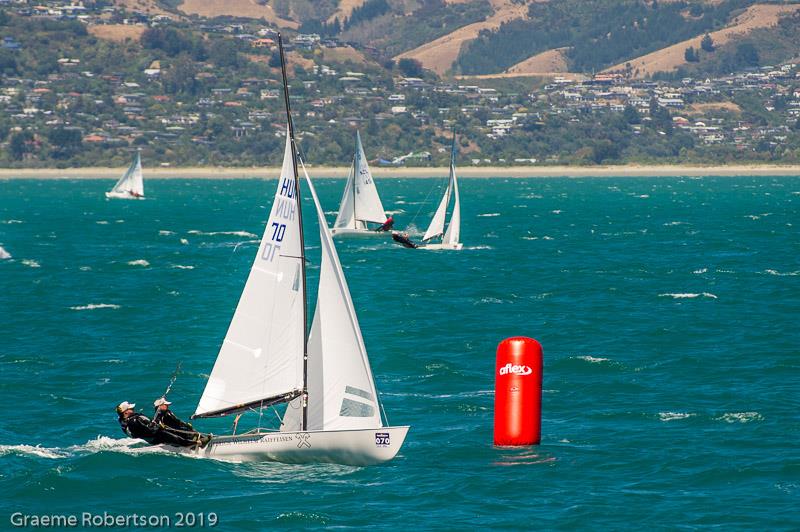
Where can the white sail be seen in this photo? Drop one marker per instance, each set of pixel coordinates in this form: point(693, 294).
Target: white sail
point(131, 181)
point(341, 390)
point(345, 217)
point(261, 358)
point(453, 232)
point(368, 206)
point(436, 228)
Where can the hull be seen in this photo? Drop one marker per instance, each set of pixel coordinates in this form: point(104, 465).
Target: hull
point(359, 447)
point(454, 247)
point(347, 232)
point(123, 195)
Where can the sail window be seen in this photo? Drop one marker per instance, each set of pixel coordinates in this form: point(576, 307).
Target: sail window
point(359, 392)
point(352, 408)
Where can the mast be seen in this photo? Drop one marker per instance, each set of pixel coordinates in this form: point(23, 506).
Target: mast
point(300, 222)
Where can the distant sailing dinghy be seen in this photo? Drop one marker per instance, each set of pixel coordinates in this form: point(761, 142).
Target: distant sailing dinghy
point(360, 203)
point(268, 356)
point(450, 237)
point(131, 184)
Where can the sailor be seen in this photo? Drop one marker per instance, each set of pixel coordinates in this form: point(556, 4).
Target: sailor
point(169, 422)
point(402, 238)
point(137, 425)
point(387, 225)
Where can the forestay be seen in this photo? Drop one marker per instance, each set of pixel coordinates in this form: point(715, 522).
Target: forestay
point(341, 390)
point(261, 359)
point(436, 228)
point(453, 232)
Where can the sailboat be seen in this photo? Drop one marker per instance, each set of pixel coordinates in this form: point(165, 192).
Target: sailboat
point(269, 356)
point(131, 184)
point(360, 203)
point(450, 237)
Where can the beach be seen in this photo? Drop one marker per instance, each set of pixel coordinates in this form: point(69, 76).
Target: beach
point(209, 172)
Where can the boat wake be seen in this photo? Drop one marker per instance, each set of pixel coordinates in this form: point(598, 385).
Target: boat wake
point(97, 445)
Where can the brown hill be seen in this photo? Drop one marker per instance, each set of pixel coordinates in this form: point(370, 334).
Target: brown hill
point(235, 8)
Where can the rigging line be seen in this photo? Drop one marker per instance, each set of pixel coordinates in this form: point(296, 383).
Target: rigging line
point(425, 201)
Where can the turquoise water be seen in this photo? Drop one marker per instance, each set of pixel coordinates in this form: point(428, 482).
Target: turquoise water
point(667, 309)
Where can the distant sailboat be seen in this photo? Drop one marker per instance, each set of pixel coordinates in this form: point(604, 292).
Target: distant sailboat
point(268, 356)
point(450, 237)
point(131, 184)
point(360, 203)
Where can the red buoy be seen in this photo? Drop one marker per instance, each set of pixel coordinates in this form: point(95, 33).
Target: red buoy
point(518, 392)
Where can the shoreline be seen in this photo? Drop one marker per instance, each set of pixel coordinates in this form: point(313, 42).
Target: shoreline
point(208, 172)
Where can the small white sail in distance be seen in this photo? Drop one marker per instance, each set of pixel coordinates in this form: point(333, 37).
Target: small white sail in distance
point(131, 183)
point(261, 359)
point(360, 201)
point(436, 227)
point(341, 389)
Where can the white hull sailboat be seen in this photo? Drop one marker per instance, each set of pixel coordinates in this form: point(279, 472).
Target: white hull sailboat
point(270, 357)
point(131, 184)
point(361, 204)
point(450, 238)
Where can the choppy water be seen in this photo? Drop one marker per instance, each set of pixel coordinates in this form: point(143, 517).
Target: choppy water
point(667, 309)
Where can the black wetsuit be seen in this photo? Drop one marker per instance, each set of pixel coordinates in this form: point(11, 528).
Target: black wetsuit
point(403, 240)
point(140, 426)
point(171, 421)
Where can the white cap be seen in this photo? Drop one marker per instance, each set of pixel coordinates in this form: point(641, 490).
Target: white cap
point(161, 401)
point(125, 405)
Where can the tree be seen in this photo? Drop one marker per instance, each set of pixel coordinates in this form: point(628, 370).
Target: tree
point(19, 145)
point(275, 59)
point(746, 55)
point(411, 68)
point(691, 56)
point(707, 43)
point(631, 115)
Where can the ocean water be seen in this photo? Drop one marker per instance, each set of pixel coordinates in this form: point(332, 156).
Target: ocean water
point(667, 308)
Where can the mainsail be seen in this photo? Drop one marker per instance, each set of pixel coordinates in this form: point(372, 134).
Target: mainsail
point(436, 227)
point(341, 390)
point(261, 359)
point(131, 181)
point(360, 201)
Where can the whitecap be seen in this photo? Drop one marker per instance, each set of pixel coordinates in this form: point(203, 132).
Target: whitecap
point(489, 215)
point(545, 237)
point(593, 360)
point(85, 268)
point(701, 270)
point(184, 241)
point(669, 224)
point(93, 306)
point(688, 295)
point(32, 450)
point(166, 233)
point(101, 222)
point(643, 196)
point(556, 212)
point(740, 417)
point(228, 233)
point(398, 211)
point(182, 267)
point(772, 272)
point(9, 222)
point(478, 247)
point(31, 263)
point(672, 416)
point(138, 262)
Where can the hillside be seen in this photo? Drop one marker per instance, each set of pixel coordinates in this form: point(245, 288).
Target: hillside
point(670, 58)
point(440, 54)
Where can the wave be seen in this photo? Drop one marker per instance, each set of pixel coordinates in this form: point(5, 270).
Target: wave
point(4, 254)
point(768, 272)
point(166, 233)
point(740, 417)
point(97, 445)
point(182, 267)
point(398, 211)
point(184, 241)
point(699, 271)
point(9, 222)
point(669, 224)
point(489, 215)
point(689, 295)
point(593, 360)
point(93, 306)
point(672, 416)
point(31, 263)
point(138, 262)
point(558, 211)
point(101, 222)
point(228, 233)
